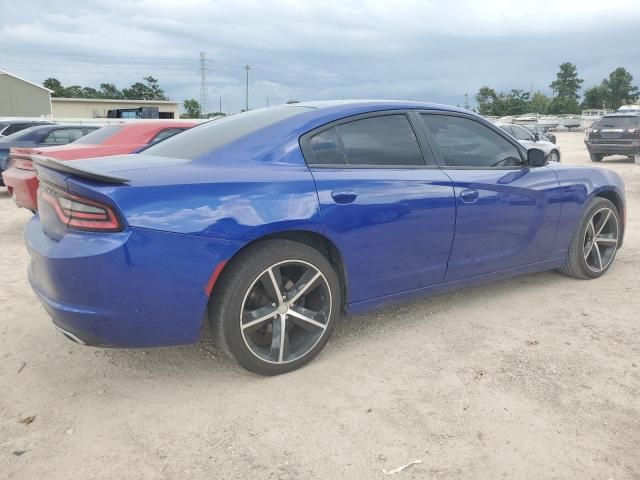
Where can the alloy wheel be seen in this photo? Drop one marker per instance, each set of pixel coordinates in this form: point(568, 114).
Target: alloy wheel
point(600, 240)
point(285, 311)
point(553, 157)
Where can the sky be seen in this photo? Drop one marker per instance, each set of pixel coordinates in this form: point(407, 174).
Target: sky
point(318, 50)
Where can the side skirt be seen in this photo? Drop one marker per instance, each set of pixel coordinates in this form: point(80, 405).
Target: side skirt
point(371, 304)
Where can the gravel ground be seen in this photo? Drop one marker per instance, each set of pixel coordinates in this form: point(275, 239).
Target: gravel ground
point(533, 377)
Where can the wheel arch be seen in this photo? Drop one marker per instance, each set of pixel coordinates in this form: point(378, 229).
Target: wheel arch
point(310, 238)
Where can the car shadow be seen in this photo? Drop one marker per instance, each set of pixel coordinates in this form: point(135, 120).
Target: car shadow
point(208, 360)
point(4, 193)
point(618, 159)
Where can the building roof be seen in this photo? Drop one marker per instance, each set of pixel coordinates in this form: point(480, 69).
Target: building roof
point(4, 72)
point(113, 100)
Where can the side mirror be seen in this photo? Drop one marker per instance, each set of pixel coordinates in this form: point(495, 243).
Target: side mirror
point(536, 157)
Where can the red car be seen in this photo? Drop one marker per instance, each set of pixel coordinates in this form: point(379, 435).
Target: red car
point(21, 179)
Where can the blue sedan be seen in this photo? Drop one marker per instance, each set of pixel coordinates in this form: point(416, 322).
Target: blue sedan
point(271, 223)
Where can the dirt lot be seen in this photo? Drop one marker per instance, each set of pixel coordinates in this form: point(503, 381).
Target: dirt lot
point(534, 377)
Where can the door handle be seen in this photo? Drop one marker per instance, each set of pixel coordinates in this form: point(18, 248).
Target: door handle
point(344, 196)
point(469, 196)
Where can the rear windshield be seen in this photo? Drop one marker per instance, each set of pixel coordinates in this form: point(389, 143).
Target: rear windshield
point(618, 122)
point(100, 135)
point(206, 137)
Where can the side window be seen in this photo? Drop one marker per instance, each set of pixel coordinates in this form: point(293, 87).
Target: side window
point(50, 138)
point(164, 134)
point(386, 140)
point(63, 136)
point(521, 133)
point(326, 148)
point(463, 142)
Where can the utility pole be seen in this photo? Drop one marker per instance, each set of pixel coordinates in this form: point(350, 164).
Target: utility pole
point(220, 105)
point(247, 68)
point(466, 101)
point(203, 84)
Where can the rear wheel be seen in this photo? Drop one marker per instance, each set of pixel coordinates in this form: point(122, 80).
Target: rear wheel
point(276, 306)
point(596, 157)
point(595, 242)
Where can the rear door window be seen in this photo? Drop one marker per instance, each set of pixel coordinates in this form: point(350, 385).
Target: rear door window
point(387, 140)
point(62, 136)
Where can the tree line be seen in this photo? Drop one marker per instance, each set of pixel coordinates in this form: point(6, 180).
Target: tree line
point(613, 92)
point(149, 90)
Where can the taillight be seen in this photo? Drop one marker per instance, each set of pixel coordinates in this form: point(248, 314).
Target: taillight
point(78, 212)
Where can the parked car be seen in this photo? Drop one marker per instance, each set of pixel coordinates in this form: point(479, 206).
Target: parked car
point(21, 178)
point(272, 222)
point(9, 127)
point(39, 136)
point(543, 132)
point(616, 134)
point(530, 140)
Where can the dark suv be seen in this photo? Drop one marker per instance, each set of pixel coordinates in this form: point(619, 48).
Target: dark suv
point(617, 134)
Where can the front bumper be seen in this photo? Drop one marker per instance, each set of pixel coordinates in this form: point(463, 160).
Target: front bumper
point(613, 148)
point(137, 288)
point(23, 185)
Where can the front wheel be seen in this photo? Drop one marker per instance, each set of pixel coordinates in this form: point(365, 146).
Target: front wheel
point(276, 306)
point(554, 156)
point(596, 157)
point(595, 242)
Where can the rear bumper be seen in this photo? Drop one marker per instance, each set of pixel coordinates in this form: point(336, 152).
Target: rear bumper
point(613, 148)
point(138, 288)
point(24, 186)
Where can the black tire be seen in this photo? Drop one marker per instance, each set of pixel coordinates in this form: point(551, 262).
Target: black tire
point(576, 264)
point(552, 154)
point(596, 157)
point(239, 282)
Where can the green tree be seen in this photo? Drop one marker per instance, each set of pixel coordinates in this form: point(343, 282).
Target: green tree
point(157, 93)
point(516, 102)
point(596, 97)
point(486, 98)
point(54, 85)
point(567, 83)
point(74, 91)
point(89, 92)
point(109, 90)
point(539, 103)
point(563, 105)
point(192, 108)
point(620, 89)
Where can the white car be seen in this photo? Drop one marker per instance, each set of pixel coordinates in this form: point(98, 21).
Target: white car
point(530, 140)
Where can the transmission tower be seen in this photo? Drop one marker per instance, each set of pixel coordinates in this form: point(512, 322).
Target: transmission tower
point(203, 84)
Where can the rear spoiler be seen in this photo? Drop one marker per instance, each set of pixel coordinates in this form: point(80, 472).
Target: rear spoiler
point(67, 167)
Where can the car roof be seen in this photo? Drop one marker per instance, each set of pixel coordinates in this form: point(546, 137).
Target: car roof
point(628, 115)
point(383, 104)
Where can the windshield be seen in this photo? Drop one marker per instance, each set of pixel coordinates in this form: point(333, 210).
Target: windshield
point(99, 136)
point(618, 122)
point(206, 137)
